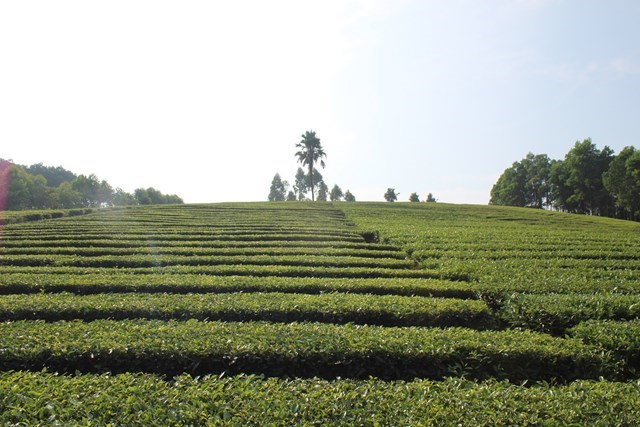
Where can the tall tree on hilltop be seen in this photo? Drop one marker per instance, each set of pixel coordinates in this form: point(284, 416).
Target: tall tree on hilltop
point(310, 152)
point(278, 189)
point(300, 184)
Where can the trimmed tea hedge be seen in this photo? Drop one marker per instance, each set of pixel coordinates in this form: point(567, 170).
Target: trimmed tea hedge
point(115, 281)
point(296, 349)
point(142, 400)
point(276, 307)
point(555, 313)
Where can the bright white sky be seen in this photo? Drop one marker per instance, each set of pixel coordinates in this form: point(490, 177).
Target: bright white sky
point(207, 99)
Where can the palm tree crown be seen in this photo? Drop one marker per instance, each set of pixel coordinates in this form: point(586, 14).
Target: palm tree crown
point(311, 152)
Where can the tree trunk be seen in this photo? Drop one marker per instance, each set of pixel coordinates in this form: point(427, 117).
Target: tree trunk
point(311, 179)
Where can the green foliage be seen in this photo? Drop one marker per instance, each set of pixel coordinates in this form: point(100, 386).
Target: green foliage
point(92, 283)
point(430, 198)
point(556, 313)
point(622, 180)
point(387, 310)
point(348, 197)
point(296, 349)
point(587, 181)
point(301, 184)
point(336, 193)
point(414, 197)
point(390, 195)
point(42, 187)
point(151, 196)
point(577, 180)
point(54, 175)
point(39, 398)
point(525, 183)
point(236, 288)
point(278, 190)
point(621, 338)
point(322, 191)
point(310, 152)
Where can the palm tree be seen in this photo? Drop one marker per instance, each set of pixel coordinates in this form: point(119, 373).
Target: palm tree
point(310, 152)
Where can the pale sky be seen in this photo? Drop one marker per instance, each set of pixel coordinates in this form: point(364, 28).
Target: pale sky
point(207, 99)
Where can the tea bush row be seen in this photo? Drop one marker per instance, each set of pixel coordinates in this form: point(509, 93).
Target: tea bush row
point(117, 281)
point(298, 350)
point(555, 313)
point(275, 307)
point(39, 398)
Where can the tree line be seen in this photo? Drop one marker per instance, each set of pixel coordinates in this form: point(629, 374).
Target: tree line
point(587, 181)
point(391, 195)
point(46, 187)
point(310, 183)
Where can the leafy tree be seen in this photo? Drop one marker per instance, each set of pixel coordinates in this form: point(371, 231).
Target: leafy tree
point(122, 198)
point(54, 175)
point(5, 171)
point(16, 181)
point(622, 180)
point(278, 190)
point(536, 185)
point(151, 196)
point(142, 197)
point(310, 152)
point(336, 193)
point(23, 190)
point(583, 167)
point(40, 194)
point(105, 194)
point(322, 191)
point(391, 195)
point(317, 179)
point(301, 183)
point(509, 189)
point(291, 197)
point(348, 197)
point(89, 189)
point(66, 197)
point(430, 198)
point(525, 183)
point(414, 197)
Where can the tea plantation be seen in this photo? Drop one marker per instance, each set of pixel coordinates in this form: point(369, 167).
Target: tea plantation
point(319, 314)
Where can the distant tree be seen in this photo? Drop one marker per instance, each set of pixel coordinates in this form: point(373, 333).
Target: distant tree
point(430, 198)
point(336, 193)
point(5, 176)
point(40, 194)
point(142, 197)
point(54, 175)
point(66, 197)
point(525, 183)
point(300, 184)
point(24, 190)
point(348, 197)
point(278, 190)
point(580, 178)
point(173, 199)
point(89, 189)
point(17, 186)
point(622, 180)
point(122, 198)
point(291, 197)
point(322, 191)
point(317, 179)
point(310, 152)
point(391, 195)
point(414, 197)
point(105, 194)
